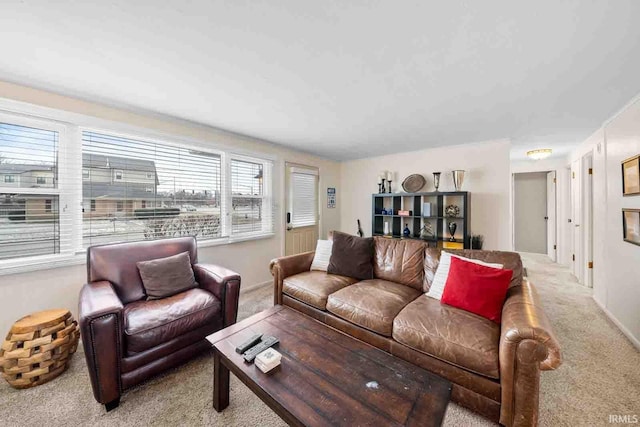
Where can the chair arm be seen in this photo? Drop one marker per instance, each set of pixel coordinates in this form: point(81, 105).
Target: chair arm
point(224, 284)
point(101, 327)
point(286, 266)
point(527, 346)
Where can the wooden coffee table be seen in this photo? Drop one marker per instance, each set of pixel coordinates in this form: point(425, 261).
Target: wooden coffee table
point(327, 377)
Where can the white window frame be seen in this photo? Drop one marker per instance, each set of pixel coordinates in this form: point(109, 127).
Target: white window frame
point(44, 180)
point(70, 127)
point(88, 175)
point(115, 175)
point(10, 181)
point(267, 198)
point(65, 198)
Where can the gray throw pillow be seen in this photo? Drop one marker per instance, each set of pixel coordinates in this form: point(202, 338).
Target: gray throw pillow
point(351, 256)
point(163, 277)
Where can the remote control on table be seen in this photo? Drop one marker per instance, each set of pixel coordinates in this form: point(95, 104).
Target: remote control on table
point(267, 342)
point(248, 344)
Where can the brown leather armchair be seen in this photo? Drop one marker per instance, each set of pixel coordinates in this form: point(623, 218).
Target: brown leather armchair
point(128, 339)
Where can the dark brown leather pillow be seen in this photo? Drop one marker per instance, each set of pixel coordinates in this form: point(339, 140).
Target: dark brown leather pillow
point(351, 256)
point(163, 277)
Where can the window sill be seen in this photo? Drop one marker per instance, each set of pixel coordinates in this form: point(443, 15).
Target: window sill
point(26, 265)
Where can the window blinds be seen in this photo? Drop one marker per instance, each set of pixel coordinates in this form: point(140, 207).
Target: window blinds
point(304, 197)
point(29, 193)
point(135, 190)
point(252, 210)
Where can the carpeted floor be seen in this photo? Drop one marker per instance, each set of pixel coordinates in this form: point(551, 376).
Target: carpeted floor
point(600, 377)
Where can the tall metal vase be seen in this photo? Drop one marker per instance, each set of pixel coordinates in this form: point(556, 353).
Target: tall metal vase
point(436, 180)
point(458, 178)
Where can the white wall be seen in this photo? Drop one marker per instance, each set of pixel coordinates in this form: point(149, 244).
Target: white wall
point(616, 272)
point(619, 292)
point(23, 293)
point(487, 178)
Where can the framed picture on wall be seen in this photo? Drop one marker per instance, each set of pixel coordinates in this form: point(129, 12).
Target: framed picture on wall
point(631, 226)
point(631, 176)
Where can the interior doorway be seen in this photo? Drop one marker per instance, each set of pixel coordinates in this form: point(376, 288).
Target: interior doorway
point(530, 212)
point(552, 217)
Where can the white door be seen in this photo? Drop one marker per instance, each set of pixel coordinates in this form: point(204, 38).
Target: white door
point(530, 211)
point(552, 239)
point(301, 220)
point(587, 218)
point(576, 218)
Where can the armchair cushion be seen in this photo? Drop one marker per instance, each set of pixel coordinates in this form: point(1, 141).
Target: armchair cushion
point(163, 277)
point(151, 323)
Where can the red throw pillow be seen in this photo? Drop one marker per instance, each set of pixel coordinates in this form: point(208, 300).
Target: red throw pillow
point(476, 288)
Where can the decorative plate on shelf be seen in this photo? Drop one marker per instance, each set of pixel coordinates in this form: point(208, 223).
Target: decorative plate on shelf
point(413, 183)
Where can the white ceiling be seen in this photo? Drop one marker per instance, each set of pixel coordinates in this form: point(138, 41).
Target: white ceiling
point(342, 79)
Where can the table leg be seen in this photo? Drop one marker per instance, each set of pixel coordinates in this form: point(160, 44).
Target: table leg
point(220, 383)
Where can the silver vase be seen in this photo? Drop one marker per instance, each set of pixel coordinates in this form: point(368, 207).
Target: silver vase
point(436, 180)
point(458, 178)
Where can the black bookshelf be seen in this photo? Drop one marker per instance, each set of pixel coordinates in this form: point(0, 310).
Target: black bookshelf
point(414, 203)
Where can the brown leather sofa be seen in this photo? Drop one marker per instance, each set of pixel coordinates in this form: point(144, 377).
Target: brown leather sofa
point(128, 339)
point(495, 369)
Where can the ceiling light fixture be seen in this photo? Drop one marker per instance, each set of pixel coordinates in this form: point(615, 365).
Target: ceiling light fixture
point(540, 154)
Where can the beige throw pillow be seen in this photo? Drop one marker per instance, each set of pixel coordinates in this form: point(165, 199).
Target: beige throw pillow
point(322, 255)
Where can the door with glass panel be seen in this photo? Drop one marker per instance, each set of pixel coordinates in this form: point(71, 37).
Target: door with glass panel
point(301, 221)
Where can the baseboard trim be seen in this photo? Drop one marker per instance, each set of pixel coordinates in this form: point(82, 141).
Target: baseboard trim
point(254, 286)
point(623, 329)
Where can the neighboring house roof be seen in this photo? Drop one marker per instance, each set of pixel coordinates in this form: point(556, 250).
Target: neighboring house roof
point(18, 168)
point(114, 162)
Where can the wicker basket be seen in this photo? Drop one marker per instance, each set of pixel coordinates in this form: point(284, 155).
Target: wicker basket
point(38, 348)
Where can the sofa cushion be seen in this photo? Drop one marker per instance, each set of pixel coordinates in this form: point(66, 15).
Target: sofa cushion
point(372, 304)
point(509, 261)
point(313, 287)
point(150, 323)
point(400, 261)
point(450, 334)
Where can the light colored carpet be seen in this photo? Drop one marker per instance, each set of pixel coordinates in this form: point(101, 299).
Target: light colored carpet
point(599, 377)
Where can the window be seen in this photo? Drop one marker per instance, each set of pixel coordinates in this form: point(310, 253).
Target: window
point(251, 207)
point(186, 190)
point(303, 199)
point(144, 189)
point(29, 218)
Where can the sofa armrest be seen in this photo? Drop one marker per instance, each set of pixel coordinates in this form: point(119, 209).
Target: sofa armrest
point(527, 346)
point(101, 326)
point(286, 266)
point(224, 284)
